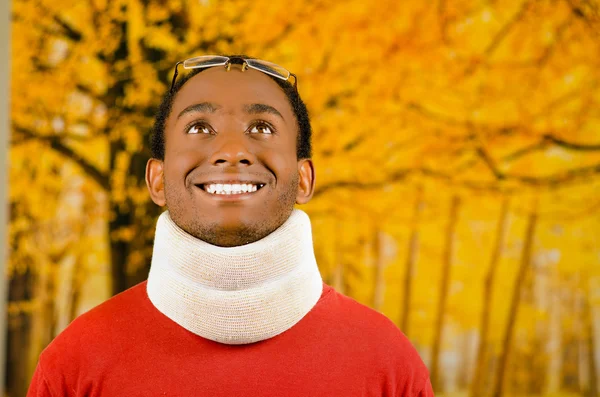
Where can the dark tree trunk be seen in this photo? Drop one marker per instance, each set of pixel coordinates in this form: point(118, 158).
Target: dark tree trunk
point(480, 366)
point(44, 323)
point(119, 249)
point(443, 297)
point(124, 276)
point(592, 389)
point(514, 306)
point(18, 335)
point(123, 213)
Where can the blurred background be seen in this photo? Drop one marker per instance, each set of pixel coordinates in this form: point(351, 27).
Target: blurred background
point(457, 149)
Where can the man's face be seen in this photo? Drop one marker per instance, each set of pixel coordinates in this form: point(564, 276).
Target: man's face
point(230, 175)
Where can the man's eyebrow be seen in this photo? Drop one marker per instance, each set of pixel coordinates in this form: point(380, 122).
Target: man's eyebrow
point(257, 108)
point(203, 107)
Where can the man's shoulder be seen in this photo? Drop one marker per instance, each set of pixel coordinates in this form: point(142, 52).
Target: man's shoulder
point(102, 323)
point(114, 311)
point(359, 318)
point(373, 337)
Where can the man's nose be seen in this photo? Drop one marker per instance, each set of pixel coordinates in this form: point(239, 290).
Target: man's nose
point(232, 151)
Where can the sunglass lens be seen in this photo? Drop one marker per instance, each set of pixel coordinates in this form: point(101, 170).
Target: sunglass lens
point(204, 62)
point(269, 68)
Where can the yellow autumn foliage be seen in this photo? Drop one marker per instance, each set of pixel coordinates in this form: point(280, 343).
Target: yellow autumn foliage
point(427, 117)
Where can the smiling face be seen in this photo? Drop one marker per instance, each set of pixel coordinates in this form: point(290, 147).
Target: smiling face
point(230, 174)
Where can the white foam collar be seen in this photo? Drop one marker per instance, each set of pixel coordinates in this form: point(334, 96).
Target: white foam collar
point(235, 295)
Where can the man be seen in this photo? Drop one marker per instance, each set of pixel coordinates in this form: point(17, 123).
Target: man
point(234, 304)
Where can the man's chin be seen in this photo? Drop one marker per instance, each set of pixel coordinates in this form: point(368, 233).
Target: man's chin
point(232, 238)
point(232, 233)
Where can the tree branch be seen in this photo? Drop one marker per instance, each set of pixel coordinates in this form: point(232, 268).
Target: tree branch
point(481, 152)
point(57, 145)
point(524, 151)
point(503, 32)
point(558, 178)
point(416, 107)
point(547, 140)
point(442, 20)
point(67, 29)
point(395, 177)
point(571, 145)
point(579, 11)
point(549, 49)
point(499, 37)
point(568, 176)
point(551, 180)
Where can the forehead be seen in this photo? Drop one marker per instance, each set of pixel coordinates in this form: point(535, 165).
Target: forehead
point(232, 89)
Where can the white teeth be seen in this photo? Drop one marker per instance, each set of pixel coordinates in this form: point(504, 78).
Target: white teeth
point(230, 188)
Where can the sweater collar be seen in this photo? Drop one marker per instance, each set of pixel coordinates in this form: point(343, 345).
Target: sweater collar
point(235, 295)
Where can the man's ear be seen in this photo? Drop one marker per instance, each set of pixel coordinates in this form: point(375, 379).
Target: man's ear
point(155, 181)
point(306, 183)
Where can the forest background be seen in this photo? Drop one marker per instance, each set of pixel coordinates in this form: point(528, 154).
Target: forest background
point(457, 148)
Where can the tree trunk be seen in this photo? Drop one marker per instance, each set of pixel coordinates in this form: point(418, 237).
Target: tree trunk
point(541, 335)
point(467, 361)
point(580, 331)
point(122, 212)
point(378, 277)
point(20, 291)
point(119, 249)
point(411, 260)
point(444, 286)
point(480, 366)
point(569, 373)
point(338, 273)
point(126, 216)
point(588, 318)
point(76, 280)
point(43, 327)
point(514, 306)
point(554, 335)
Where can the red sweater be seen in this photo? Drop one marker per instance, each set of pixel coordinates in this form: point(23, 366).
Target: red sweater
point(126, 347)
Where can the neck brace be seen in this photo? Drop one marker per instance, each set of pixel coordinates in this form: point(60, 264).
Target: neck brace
point(235, 295)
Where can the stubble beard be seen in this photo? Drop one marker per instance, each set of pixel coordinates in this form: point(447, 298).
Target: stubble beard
point(243, 233)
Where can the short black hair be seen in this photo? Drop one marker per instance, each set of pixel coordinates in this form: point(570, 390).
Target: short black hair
point(303, 145)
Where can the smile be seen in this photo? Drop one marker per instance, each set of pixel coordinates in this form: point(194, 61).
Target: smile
point(231, 188)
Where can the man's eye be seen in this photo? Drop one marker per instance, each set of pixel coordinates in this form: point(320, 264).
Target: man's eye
point(198, 129)
point(260, 129)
